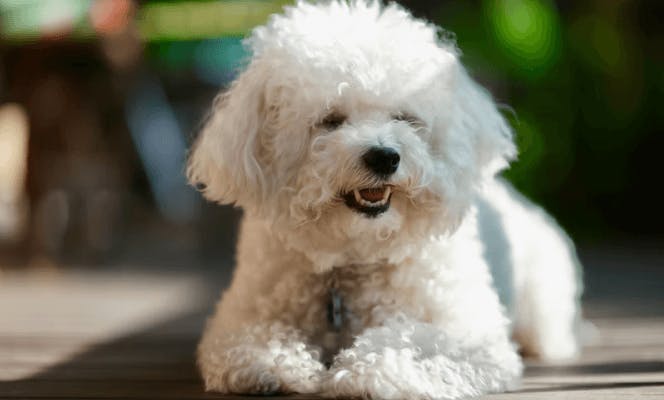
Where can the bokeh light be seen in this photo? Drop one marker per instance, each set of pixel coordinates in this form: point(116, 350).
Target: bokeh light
point(527, 31)
point(203, 19)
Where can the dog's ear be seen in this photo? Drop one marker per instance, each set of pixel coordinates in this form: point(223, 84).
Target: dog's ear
point(478, 119)
point(224, 161)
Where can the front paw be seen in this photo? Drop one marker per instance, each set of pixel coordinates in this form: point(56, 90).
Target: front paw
point(249, 369)
point(420, 363)
point(258, 378)
point(404, 374)
point(390, 374)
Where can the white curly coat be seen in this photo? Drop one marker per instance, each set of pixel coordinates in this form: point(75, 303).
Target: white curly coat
point(422, 317)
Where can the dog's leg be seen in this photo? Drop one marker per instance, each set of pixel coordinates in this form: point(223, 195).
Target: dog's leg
point(547, 309)
point(259, 339)
point(547, 314)
point(437, 331)
point(259, 359)
point(408, 359)
point(545, 274)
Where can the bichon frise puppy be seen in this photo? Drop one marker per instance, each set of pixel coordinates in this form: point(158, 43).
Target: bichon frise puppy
point(364, 157)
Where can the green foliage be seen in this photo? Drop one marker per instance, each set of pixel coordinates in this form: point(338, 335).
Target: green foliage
point(583, 83)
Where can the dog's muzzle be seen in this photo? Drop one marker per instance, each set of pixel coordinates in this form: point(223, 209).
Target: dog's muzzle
point(381, 161)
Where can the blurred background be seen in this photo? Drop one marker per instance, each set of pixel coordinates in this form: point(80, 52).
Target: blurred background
point(99, 100)
point(110, 263)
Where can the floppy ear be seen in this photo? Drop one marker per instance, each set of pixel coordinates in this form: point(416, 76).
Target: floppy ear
point(224, 161)
point(478, 117)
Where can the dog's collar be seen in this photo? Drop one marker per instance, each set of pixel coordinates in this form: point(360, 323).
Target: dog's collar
point(335, 303)
point(335, 313)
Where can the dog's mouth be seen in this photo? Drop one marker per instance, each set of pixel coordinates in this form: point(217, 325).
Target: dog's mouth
point(369, 201)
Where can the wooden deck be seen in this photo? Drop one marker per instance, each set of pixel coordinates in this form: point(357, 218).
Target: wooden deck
point(131, 334)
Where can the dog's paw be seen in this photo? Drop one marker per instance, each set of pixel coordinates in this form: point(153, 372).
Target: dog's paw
point(388, 374)
point(264, 376)
point(413, 373)
point(254, 379)
point(260, 360)
point(260, 379)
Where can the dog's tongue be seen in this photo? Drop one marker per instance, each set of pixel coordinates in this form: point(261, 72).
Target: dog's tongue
point(373, 195)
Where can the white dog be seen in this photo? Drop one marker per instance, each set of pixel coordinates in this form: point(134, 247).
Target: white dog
point(364, 158)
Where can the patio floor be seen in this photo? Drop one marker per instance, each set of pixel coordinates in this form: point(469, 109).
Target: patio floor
point(130, 333)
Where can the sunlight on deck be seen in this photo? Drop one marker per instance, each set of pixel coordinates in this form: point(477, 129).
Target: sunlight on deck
point(48, 317)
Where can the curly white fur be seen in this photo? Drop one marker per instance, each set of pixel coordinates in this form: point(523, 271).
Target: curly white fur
point(422, 317)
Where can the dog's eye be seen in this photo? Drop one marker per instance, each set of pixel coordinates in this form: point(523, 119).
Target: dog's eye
point(408, 118)
point(332, 121)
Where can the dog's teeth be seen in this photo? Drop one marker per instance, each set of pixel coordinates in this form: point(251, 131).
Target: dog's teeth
point(386, 195)
point(358, 198)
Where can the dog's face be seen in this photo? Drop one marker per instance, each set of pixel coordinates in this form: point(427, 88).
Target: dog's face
point(351, 122)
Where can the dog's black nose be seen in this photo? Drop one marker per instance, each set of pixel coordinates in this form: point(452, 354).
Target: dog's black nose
point(382, 160)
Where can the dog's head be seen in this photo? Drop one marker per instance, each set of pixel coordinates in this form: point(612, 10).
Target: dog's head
point(354, 121)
